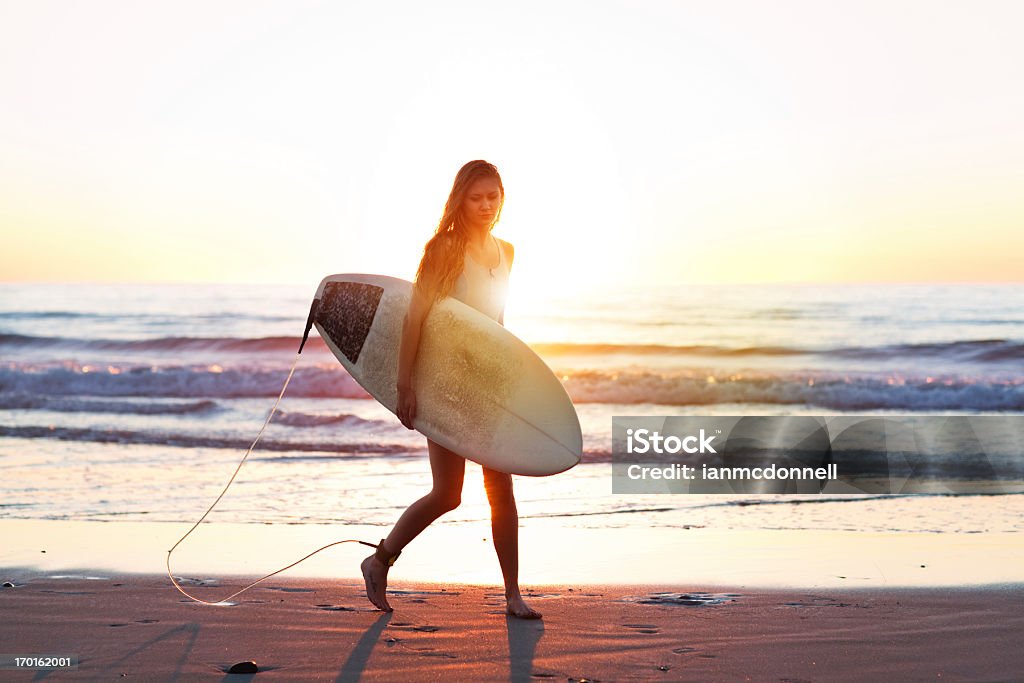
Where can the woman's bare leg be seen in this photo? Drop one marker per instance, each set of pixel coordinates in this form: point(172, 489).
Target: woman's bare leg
point(505, 530)
point(448, 472)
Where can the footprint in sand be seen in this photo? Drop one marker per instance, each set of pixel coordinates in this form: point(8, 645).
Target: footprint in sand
point(421, 629)
point(195, 582)
point(344, 608)
point(684, 599)
point(425, 651)
point(643, 628)
point(816, 601)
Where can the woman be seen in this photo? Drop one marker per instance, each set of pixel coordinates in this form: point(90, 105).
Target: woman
point(463, 260)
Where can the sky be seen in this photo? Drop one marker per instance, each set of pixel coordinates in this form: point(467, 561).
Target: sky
point(653, 142)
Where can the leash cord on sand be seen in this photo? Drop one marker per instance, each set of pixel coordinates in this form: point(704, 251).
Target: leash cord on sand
point(224, 601)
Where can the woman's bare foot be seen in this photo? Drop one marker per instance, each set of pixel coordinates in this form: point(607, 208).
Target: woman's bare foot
point(516, 607)
point(375, 573)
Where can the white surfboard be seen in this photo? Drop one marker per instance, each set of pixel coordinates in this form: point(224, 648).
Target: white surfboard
point(480, 391)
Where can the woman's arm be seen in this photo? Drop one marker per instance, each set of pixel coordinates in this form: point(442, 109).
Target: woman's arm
point(412, 327)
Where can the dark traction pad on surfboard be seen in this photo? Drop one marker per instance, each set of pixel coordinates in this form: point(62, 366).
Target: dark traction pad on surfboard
point(346, 313)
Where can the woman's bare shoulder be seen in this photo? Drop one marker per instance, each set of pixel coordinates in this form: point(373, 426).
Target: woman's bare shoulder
point(510, 251)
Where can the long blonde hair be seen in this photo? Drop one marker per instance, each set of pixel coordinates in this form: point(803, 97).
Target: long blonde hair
point(443, 254)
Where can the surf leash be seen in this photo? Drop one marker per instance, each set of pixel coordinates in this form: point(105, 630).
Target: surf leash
point(223, 602)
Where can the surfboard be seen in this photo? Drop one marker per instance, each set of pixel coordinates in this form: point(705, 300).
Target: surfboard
point(481, 392)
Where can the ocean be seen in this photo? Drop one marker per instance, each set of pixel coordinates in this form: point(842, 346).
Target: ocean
point(135, 402)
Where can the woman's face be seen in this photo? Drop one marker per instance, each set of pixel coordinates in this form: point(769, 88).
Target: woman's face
point(482, 202)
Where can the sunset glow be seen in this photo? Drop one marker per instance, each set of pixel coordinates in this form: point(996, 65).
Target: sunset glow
point(656, 142)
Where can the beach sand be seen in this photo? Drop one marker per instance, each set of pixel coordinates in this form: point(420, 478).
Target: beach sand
point(300, 629)
point(619, 604)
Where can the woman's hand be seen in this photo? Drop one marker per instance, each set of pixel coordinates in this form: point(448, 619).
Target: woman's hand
point(406, 405)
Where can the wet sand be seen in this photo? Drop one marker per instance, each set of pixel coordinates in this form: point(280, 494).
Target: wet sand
point(550, 554)
point(139, 627)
